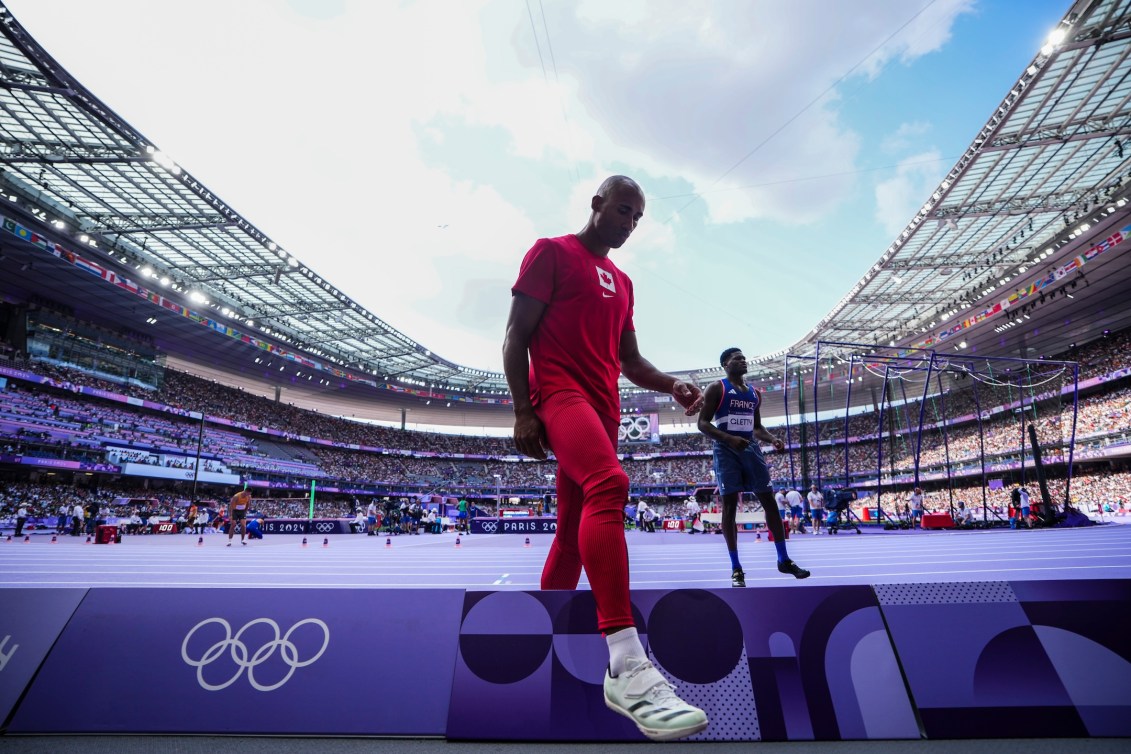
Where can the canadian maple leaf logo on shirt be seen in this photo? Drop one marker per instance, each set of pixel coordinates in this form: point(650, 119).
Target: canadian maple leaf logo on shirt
point(605, 278)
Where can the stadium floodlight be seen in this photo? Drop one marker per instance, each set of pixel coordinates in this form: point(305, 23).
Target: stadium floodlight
point(165, 282)
point(146, 271)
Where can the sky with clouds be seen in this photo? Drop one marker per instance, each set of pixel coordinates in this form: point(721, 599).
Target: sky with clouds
point(411, 152)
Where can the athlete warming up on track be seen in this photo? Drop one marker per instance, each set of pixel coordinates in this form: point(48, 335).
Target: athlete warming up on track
point(237, 513)
point(569, 337)
point(731, 418)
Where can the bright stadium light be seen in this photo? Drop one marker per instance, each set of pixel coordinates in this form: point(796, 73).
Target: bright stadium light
point(165, 282)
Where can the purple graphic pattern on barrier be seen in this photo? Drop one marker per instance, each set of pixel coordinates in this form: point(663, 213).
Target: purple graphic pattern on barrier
point(269, 661)
point(763, 663)
point(30, 622)
point(1015, 659)
point(990, 659)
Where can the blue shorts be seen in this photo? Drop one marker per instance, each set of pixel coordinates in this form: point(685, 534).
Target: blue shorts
point(796, 510)
point(741, 472)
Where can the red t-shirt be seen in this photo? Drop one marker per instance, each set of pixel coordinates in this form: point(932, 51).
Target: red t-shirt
point(576, 345)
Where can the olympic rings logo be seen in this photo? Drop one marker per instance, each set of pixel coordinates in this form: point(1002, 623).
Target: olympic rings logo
point(325, 527)
point(490, 526)
point(634, 429)
point(234, 645)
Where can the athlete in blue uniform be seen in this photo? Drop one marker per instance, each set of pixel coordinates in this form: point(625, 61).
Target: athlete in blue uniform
point(731, 418)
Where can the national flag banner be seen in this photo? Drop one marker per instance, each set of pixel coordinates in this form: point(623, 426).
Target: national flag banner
point(9, 225)
point(88, 266)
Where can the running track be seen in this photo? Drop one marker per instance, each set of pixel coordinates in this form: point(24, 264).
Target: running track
point(663, 560)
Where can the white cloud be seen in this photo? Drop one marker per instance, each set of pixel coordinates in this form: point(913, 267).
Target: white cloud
point(904, 137)
point(900, 197)
point(694, 105)
point(340, 130)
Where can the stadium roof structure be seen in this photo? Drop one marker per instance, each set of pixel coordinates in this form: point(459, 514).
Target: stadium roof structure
point(1036, 205)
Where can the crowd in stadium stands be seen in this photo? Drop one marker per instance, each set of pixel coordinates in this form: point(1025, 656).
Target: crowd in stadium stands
point(56, 422)
point(89, 424)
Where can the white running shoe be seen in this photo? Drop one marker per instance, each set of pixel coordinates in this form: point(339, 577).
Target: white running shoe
point(644, 696)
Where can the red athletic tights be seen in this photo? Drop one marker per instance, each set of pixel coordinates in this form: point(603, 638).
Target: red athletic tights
point(592, 492)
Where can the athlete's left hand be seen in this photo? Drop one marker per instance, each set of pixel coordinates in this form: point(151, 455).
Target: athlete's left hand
point(689, 396)
point(779, 446)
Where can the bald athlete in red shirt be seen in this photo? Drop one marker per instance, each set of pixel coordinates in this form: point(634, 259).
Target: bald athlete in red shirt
point(570, 335)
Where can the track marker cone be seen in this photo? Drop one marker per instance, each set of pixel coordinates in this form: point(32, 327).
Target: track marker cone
point(54, 539)
point(457, 542)
point(388, 542)
point(326, 542)
point(527, 542)
point(200, 541)
point(88, 539)
point(304, 541)
point(27, 538)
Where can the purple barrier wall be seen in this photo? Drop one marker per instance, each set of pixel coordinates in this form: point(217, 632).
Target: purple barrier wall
point(266, 661)
point(517, 525)
point(305, 526)
point(30, 622)
point(1015, 659)
point(898, 661)
point(765, 664)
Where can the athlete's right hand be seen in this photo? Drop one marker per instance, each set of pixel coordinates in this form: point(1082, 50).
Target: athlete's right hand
point(530, 435)
point(738, 443)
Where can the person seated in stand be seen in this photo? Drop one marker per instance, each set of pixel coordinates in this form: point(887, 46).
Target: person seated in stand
point(963, 517)
point(649, 520)
point(360, 522)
